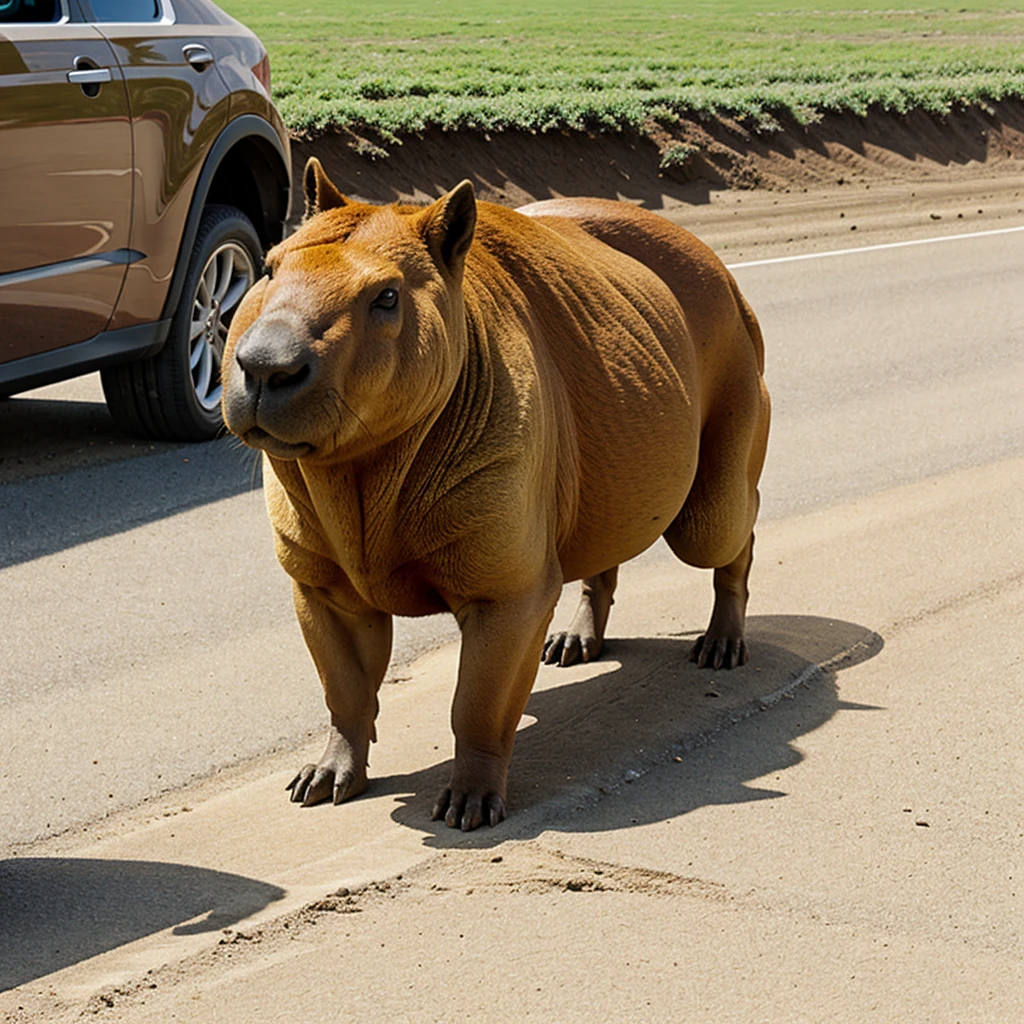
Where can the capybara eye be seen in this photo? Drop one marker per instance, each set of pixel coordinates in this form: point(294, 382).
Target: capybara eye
point(387, 299)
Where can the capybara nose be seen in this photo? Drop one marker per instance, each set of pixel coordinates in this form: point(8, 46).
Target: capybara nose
point(266, 361)
point(284, 376)
point(288, 378)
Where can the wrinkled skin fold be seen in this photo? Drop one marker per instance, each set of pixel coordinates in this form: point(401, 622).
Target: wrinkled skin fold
point(461, 407)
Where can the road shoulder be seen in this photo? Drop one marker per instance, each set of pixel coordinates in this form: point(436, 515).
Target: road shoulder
point(873, 681)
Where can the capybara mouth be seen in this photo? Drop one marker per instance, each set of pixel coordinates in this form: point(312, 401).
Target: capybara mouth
point(257, 437)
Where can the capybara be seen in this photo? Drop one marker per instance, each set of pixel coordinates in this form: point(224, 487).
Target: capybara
point(461, 407)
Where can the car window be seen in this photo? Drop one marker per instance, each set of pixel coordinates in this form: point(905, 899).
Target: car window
point(29, 11)
point(124, 10)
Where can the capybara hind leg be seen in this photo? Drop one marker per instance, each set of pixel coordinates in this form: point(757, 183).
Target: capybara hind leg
point(723, 645)
point(585, 636)
point(717, 532)
point(715, 529)
point(351, 653)
point(501, 647)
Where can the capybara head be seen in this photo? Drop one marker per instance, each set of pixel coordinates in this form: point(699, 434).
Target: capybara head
point(357, 332)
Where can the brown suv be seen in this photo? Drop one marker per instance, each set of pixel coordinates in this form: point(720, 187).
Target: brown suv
point(143, 170)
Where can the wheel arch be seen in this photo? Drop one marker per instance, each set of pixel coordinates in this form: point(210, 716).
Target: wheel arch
point(247, 167)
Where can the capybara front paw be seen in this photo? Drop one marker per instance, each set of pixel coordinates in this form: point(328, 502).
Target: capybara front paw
point(340, 774)
point(719, 652)
point(568, 648)
point(315, 783)
point(468, 810)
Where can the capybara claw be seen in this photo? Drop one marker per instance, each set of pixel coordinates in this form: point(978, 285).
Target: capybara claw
point(441, 805)
point(719, 652)
point(496, 810)
point(553, 648)
point(468, 811)
point(313, 785)
point(319, 787)
point(344, 787)
point(572, 651)
point(565, 649)
point(300, 784)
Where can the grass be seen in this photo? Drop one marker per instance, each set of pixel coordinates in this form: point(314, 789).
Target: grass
point(397, 66)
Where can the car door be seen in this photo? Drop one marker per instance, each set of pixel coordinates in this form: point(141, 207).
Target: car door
point(65, 178)
point(179, 104)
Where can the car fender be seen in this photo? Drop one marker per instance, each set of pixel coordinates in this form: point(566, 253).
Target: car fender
point(273, 180)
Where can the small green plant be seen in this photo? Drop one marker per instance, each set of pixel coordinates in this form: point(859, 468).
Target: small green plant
point(364, 147)
point(676, 154)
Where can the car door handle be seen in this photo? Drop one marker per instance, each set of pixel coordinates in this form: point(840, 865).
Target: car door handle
point(197, 55)
point(90, 76)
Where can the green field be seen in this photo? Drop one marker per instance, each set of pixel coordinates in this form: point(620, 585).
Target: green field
point(398, 66)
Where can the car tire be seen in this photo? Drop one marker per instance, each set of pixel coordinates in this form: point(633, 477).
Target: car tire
point(175, 395)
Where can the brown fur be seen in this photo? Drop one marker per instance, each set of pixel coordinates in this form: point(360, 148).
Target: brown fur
point(462, 407)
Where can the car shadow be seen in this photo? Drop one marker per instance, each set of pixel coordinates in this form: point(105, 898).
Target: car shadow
point(42, 515)
point(598, 735)
point(55, 912)
point(46, 431)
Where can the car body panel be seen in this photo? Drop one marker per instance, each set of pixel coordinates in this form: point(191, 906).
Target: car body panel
point(184, 135)
point(65, 220)
point(177, 112)
point(249, 145)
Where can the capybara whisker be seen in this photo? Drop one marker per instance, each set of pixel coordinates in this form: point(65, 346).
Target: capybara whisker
point(339, 399)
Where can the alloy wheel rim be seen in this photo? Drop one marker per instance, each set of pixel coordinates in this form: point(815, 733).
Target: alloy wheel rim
point(229, 273)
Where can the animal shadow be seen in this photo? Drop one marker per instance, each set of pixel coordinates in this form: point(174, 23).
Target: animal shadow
point(645, 703)
point(57, 911)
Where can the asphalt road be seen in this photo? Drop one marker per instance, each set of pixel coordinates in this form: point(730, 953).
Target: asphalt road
point(148, 637)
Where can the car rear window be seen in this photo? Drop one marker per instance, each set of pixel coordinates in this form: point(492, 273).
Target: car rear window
point(199, 12)
point(29, 11)
point(124, 10)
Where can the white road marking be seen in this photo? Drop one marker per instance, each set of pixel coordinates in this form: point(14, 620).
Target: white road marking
point(873, 248)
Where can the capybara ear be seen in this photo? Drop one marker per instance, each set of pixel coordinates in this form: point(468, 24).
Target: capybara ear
point(449, 225)
point(321, 193)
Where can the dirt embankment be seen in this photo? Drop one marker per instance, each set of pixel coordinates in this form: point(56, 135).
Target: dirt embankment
point(682, 165)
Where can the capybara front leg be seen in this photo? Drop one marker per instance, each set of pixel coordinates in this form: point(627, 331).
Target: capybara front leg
point(351, 652)
point(723, 645)
point(501, 646)
point(585, 636)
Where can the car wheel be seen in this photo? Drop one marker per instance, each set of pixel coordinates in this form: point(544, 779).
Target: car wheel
point(175, 395)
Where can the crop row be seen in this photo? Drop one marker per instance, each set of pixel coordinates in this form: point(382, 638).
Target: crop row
point(404, 67)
